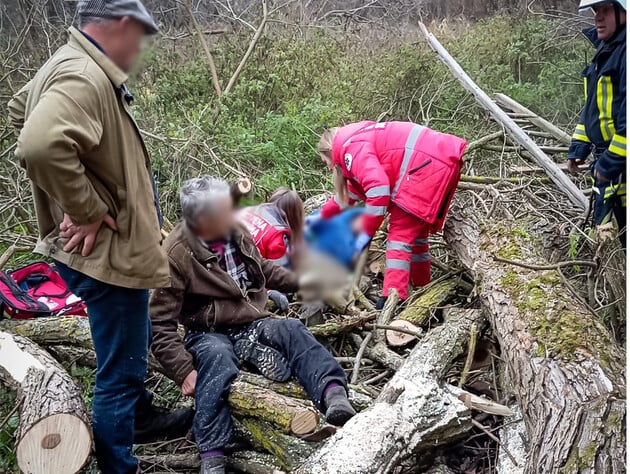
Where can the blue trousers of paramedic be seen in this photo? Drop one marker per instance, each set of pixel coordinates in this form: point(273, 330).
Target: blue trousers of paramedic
point(217, 366)
point(120, 326)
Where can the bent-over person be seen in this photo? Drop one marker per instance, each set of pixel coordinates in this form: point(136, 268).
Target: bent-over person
point(218, 292)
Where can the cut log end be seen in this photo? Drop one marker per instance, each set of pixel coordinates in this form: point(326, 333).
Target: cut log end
point(305, 422)
point(244, 185)
point(398, 338)
point(59, 443)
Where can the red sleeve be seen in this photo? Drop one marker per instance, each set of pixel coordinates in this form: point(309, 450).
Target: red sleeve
point(367, 170)
point(277, 249)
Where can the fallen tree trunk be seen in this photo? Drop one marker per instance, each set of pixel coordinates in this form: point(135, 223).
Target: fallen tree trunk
point(289, 451)
point(565, 369)
point(509, 103)
point(413, 413)
point(557, 176)
point(64, 330)
point(53, 434)
point(250, 462)
point(290, 415)
point(419, 309)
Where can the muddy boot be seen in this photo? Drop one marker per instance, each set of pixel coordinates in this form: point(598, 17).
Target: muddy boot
point(269, 362)
point(338, 408)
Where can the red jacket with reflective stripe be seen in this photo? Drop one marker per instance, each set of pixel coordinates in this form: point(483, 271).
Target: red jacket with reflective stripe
point(410, 165)
point(270, 231)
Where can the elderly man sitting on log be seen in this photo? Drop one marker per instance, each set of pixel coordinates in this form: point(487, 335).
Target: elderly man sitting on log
point(218, 292)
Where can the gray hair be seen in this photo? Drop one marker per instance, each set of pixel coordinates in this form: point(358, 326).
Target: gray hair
point(93, 20)
point(200, 195)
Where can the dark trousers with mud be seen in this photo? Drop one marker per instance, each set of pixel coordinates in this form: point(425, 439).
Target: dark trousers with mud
point(217, 366)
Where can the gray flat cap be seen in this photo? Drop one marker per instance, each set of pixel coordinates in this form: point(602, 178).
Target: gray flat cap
point(117, 9)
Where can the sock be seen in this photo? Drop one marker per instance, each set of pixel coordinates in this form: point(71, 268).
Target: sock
point(215, 453)
point(329, 387)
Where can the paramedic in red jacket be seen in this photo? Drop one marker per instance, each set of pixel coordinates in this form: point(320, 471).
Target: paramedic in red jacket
point(277, 229)
point(400, 168)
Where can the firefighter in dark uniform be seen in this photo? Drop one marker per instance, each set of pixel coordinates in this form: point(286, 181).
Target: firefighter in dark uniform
point(602, 126)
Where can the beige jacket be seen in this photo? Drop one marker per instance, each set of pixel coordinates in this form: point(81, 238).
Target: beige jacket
point(84, 154)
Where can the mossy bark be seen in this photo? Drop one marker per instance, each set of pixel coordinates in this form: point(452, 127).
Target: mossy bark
point(419, 309)
point(290, 452)
point(566, 371)
point(290, 415)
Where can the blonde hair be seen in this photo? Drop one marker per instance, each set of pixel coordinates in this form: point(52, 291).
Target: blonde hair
point(325, 145)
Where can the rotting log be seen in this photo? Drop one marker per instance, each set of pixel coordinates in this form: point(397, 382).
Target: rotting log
point(557, 176)
point(413, 413)
point(419, 309)
point(290, 452)
point(563, 365)
point(290, 415)
point(53, 434)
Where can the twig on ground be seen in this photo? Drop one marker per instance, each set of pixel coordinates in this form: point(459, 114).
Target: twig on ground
point(357, 364)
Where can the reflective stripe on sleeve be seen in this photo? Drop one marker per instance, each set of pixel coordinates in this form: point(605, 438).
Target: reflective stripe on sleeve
point(378, 191)
point(354, 197)
point(402, 246)
point(580, 133)
point(409, 149)
point(397, 264)
point(376, 210)
point(618, 145)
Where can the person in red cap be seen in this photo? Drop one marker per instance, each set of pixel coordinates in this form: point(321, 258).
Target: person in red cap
point(398, 168)
point(277, 230)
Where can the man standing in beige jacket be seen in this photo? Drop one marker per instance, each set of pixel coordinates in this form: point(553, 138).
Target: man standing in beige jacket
point(98, 213)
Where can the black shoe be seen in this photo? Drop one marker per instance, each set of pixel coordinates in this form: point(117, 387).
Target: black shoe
point(159, 424)
point(380, 303)
point(338, 408)
point(213, 465)
point(269, 362)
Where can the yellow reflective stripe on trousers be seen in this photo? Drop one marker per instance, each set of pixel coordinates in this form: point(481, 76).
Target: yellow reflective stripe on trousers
point(618, 145)
point(580, 133)
point(604, 104)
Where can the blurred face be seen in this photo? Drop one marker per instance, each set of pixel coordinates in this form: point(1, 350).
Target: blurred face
point(123, 41)
point(605, 20)
point(327, 159)
point(218, 224)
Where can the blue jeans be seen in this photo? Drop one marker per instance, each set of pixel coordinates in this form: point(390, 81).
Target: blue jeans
point(217, 366)
point(120, 326)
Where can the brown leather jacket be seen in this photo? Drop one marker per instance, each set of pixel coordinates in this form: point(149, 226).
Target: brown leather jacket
point(203, 296)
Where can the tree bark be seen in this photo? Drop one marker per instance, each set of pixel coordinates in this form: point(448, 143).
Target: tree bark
point(290, 452)
point(290, 415)
point(413, 413)
point(54, 433)
point(565, 369)
point(419, 309)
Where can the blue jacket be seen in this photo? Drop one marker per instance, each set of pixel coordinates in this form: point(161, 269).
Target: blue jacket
point(602, 124)
point(334, 237)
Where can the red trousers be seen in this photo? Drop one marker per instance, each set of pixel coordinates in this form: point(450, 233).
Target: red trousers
point(407, 252)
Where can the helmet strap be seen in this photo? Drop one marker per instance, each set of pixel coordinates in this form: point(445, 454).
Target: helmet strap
point(618, 24)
